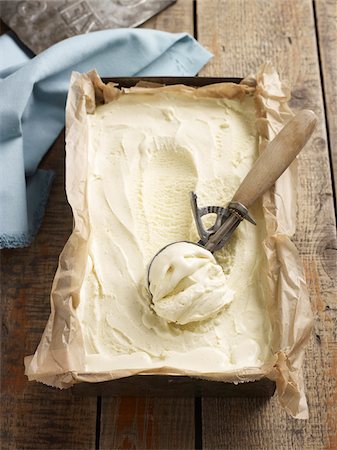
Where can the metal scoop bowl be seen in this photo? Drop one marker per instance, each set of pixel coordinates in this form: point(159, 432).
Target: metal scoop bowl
point(276, 158)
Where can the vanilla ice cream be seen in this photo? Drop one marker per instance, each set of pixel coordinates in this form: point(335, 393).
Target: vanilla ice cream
point(147, 151)
point(187, 284)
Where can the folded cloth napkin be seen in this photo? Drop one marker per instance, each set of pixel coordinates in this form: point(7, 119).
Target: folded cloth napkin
point(33, 95)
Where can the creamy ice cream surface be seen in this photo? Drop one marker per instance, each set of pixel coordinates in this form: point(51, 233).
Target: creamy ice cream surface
point(147, 151)
point(187, 284)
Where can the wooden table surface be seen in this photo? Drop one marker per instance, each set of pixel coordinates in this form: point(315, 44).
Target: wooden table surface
point(300, 37)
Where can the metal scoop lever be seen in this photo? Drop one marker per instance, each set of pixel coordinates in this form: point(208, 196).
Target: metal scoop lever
point(278, 155)
point(229, 217)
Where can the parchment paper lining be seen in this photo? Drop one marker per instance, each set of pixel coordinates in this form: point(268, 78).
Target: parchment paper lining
point(60, 360)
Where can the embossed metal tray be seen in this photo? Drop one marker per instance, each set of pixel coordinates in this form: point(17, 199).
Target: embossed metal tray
point(40, 24)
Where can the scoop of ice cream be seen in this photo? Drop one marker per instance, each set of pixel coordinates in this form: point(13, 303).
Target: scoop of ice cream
point(187, 284)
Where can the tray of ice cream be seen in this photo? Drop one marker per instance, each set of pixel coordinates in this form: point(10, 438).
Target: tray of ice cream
point(232, 321)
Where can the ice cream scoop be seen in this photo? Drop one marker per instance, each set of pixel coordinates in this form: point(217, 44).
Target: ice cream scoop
point(180, 277)
point(187, 284)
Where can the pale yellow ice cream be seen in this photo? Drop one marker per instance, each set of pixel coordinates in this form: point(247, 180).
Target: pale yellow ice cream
point(146, 153)
point(187, 284)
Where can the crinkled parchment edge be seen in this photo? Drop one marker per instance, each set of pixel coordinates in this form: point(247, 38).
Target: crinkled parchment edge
point(60, 360)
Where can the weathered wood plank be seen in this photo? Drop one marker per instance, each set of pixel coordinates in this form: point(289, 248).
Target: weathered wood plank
point(177, 18)
point(242, 34)
point(326, 16)
point(155, 423)
point(34, 416)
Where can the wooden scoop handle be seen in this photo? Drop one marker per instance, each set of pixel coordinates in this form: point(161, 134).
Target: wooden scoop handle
point(278, 155)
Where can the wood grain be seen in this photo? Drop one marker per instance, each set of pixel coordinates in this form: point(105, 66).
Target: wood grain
point(326, 18)
point(158, 423)
point(34, 416)
point(283, 32)
point(177, 18)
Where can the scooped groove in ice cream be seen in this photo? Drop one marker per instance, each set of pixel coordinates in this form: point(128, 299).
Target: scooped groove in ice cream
point(187, 284)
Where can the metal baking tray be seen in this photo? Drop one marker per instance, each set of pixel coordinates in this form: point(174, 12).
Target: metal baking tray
point(173, 385)
point(188, 81)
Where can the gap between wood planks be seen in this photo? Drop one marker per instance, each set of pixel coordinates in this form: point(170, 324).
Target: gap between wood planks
point(198, 423)
point(195, 19)
point(98, 422)
point(325, 106)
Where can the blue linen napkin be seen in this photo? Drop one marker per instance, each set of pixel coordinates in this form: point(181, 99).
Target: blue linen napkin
point(33, 95)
